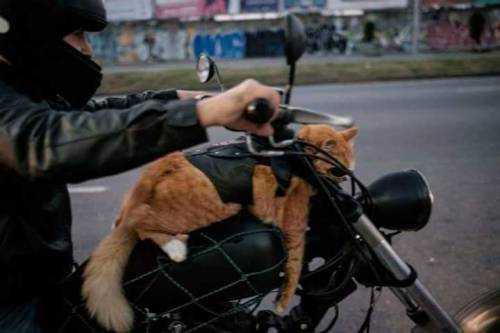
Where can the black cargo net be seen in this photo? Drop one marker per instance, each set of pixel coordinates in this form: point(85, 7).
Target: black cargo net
point(195, 301)
point(187, 307)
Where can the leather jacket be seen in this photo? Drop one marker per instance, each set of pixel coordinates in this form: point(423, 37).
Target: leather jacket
point(44, 145)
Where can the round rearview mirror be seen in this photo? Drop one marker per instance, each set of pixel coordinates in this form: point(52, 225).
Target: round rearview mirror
point(205, 68)
point(295, 39)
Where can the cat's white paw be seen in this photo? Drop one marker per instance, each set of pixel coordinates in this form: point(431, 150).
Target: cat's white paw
point(176, 250)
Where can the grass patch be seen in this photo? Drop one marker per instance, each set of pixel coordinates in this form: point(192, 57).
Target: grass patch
point(120, 83)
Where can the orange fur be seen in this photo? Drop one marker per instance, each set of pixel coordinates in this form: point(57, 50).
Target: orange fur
point(290, 213)
point(173, 198)
point(160, 207)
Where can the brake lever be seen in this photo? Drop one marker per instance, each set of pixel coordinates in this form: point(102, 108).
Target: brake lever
point(260, 111)
point(265, 153)
point(281, 144)
point(290, 114)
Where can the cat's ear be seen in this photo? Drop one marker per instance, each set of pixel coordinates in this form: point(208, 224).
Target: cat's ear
point(350, 134)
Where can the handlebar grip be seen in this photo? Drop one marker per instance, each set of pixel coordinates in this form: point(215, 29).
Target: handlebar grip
point(260, 111)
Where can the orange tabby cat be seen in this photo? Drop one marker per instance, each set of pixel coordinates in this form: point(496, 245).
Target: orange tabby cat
point(174, 198)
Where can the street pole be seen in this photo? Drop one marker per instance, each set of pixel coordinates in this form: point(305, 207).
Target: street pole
point(416, 26)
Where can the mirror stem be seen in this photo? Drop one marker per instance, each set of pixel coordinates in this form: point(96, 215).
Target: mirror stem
point(291, 82)
point(219, 79)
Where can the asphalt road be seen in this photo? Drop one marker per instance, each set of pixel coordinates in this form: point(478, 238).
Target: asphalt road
point(448, 129)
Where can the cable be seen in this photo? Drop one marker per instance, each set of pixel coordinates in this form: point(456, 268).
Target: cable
point(353, 266)
point(320, 180)
point(365, 327)
point(337, 163)
point(364, 190)
point(334, 162)
point(346, 250)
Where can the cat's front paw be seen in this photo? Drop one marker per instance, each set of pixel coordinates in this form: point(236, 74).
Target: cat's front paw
point(176, 250)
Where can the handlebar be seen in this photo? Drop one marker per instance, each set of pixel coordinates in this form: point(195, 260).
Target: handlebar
point(260, 111)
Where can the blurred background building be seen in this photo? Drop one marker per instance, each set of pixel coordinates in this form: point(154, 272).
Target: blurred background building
point(156, 31)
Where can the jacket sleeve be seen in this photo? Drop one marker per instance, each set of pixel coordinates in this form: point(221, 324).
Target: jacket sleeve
point(130, 100)
point(40, 143)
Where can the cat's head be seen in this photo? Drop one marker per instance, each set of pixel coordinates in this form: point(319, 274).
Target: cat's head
point(340, 144)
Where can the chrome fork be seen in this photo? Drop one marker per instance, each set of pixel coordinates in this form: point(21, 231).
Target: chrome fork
point(415, 297)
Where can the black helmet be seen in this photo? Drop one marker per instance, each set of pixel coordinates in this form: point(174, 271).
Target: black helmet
point(31, 37)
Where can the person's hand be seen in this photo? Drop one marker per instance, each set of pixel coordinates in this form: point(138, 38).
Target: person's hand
point(227, 109)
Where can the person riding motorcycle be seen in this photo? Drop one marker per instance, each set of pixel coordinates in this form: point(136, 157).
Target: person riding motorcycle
point(52, 133)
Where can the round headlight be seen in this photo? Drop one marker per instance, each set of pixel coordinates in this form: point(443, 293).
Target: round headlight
point(400, 201)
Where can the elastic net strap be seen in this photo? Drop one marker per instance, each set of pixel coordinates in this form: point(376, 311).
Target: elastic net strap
point(195, 300)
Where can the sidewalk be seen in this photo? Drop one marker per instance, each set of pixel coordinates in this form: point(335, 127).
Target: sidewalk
point(306, 60)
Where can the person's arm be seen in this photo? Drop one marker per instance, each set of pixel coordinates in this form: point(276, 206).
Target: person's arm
point(40, 143)
point(125, 102)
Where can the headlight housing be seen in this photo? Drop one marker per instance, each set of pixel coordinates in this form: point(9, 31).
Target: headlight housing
point(399, 201)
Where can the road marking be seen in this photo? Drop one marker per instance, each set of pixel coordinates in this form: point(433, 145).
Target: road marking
point(87, 189)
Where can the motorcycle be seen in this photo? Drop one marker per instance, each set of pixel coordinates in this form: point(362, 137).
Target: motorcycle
point(234, 264)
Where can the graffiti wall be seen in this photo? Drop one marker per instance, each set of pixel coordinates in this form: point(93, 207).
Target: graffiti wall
point(125, 44)
point(161, 41)
point(448, 30)
point(231, 44)
point(344, 34)
point(238, 44)
point(140, 43)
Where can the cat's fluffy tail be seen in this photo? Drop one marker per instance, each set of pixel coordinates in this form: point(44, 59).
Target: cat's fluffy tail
point(102, 286)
